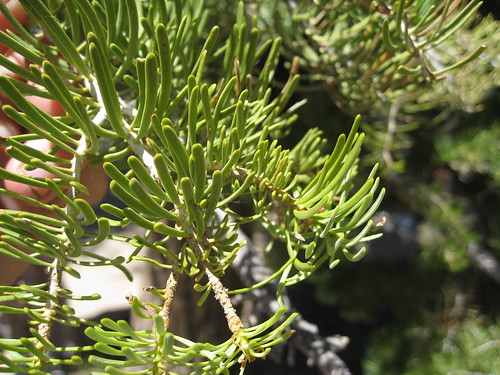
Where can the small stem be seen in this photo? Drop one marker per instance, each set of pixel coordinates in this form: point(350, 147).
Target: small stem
point(77, 165)
point(44, 329)
point(170, 288)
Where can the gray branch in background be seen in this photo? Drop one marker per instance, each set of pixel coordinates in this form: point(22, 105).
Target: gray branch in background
point(320, 351)
point(484, 261)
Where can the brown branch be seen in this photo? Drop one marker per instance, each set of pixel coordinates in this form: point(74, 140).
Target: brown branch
point(233, 320)
point(45, 329)
point(170, 288)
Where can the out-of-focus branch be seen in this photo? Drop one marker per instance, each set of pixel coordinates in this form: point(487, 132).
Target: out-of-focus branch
point(484, 261)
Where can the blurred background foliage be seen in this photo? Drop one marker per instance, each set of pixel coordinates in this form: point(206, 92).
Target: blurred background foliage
point(425, 299)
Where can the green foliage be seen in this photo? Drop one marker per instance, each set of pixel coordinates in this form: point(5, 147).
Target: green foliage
point(389, 61)
point(474, 151)
point(186, 126)
point(466, 88)
point(460, 204)
point(471, 347)
point(447, 231)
